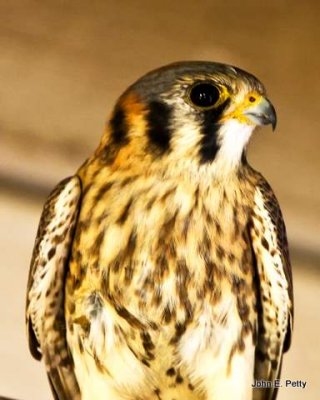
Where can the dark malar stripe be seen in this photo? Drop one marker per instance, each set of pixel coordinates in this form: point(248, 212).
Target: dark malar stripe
point(119, 127)
point(210, 127)
point(158, 120)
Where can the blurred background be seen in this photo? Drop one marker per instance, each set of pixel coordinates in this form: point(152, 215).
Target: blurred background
point(62, 66)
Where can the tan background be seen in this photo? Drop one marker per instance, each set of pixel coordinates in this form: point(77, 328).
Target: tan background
point(62, 66)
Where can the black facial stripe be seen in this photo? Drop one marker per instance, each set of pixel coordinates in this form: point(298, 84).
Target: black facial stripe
point(210, 126)
point(119, 127)
point(158, 130)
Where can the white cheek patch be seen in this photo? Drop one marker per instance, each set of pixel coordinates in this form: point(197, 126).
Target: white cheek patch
point(233, 138)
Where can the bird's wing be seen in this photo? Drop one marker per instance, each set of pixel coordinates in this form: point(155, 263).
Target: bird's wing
point(274, 282)
point(45, 320)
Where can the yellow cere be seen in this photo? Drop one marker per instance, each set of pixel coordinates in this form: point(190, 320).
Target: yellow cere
point(251, 99)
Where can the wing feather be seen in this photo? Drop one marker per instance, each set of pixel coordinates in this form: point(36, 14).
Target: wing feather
point(274, 281)
point(45, 291)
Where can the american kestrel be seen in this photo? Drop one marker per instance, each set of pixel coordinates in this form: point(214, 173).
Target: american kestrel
point(161, 268)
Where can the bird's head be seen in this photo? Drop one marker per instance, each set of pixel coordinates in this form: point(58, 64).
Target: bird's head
point(188, 113)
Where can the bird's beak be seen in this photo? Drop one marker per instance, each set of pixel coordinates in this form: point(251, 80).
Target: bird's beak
point(261, 113)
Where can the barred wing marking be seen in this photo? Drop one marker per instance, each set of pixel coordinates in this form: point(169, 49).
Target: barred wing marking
point(45, 292)
point(274, 277)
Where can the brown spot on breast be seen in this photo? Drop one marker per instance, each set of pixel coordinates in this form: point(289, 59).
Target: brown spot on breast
point(220, 252)
point(180, 330)
point(102, 191)
point(148, 284)
point(130, 318)
point(168, 314)
point(224, 319)
point(242, 306)
point(218, 228)
point(151, 202)
point(105, 283)
point(147, 344)
point(86, 189)
point(215, 295)
point(246, 328)
point(205, 245)
point(186, 224)
point(96, 246)
point(238, 284)
point(127, 180)
point(128, 273)
point(145, 362)
point(156, 297)
point(131, 244)
point(125, 254)
point(171, 249)
point(209, 279)
point(146, 341)
point(125, 212)
point(76, 256)
point(236, 224)
point(84, 323)
point(157, 392)
point(182, 282)
point(99, 365)
point(241, 345)
point(153, 326)
point(168, 225)
point(168, 193)
point(246, 261)
point(80, 345)
point(161, 267)
point(171, 371)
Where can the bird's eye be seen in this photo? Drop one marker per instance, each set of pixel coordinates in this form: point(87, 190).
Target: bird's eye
point(204, 95)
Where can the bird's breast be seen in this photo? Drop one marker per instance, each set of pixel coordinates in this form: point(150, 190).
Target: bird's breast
point(165, 266)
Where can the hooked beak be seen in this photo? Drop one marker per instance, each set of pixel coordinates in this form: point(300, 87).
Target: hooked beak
point(262, 113)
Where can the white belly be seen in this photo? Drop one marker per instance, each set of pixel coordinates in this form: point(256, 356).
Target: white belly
point(203, 354)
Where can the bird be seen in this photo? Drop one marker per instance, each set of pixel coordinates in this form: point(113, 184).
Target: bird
point(161, 268)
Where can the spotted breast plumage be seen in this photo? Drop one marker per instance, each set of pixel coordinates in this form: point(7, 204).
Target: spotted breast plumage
point(161, 269)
